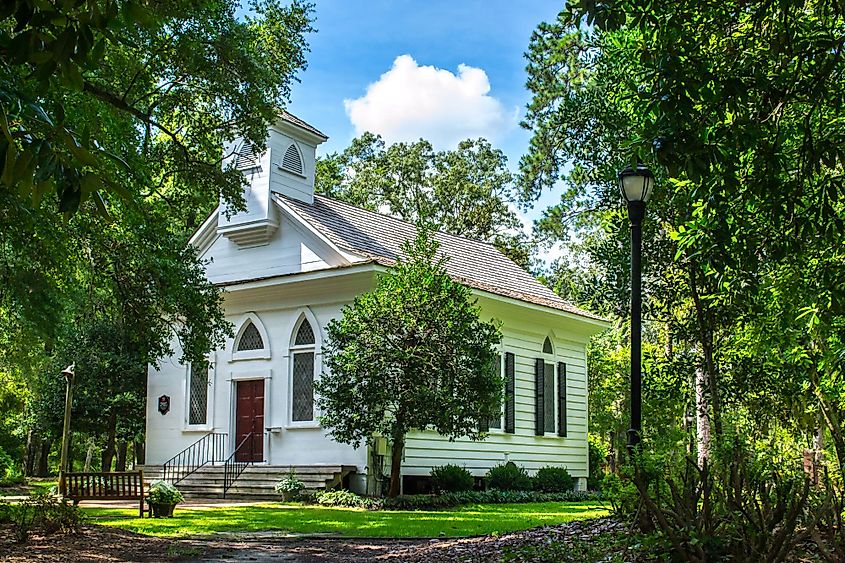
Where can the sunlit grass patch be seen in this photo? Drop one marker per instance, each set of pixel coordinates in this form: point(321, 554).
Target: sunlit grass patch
point(297, 519)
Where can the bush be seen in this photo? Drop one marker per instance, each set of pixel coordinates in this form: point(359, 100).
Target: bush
point(550, 479)
point(347, 499)
point(451, 479)
point(290, 487)
point(493, 496)
point(509, 477)
point(162, 492)
point(10, 473)
point(44, 512)
point(746, 506)
point(598, 458)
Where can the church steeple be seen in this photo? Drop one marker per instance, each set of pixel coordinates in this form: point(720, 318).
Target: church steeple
point(285, 167)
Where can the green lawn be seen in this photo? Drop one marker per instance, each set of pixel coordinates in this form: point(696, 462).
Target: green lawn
point(469, 520)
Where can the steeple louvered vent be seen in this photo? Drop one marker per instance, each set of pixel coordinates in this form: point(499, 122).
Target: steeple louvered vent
point(247, 157)
point(292, 161)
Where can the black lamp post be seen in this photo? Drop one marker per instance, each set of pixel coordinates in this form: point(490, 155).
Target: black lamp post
point(636, 185)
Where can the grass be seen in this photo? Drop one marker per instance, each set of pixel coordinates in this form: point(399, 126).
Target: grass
point(471, 520)
point(32, 485)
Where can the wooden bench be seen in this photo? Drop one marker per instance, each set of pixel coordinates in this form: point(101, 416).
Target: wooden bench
point(120, 485)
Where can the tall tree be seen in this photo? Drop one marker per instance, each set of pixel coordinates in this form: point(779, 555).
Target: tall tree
point(467, 191)
point(409, 355)
point(737, 106)
point(112, 118)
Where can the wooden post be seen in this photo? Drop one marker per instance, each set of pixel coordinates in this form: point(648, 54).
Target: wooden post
point(68, 372)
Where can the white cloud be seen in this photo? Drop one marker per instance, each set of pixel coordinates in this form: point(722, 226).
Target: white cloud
point(410, 101)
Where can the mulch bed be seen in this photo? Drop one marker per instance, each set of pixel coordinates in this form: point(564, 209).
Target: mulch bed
point(103, 544)
point(95, 544)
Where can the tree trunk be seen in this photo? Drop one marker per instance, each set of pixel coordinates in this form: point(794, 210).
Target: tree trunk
point(396, 466)
point(88, 455)
point(42, 466)
point(121, 455)
point(702, 419)
point(31, 452)
point(140, 452)
point(705, 336)
point(109, 451)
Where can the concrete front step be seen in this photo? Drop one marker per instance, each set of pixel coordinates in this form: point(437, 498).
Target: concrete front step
point(257, 482)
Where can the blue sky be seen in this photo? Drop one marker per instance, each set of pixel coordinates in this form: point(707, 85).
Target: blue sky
point(439, 70)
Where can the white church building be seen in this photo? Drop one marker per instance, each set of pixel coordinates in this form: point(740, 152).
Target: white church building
point(287, 265)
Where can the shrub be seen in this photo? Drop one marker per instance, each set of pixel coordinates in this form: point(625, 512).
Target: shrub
point(10, 472)
point(493, 496)
point(290, 487)
point(509, 477)
point(44, 512)
point(451, 478)
point(347, 499)
point(598, 458)
point(746, 506)
point(551, 479)
point(162, 492)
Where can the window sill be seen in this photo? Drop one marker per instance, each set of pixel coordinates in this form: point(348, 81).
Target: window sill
point(310, 425)
point(250, 355)
point(197, 428)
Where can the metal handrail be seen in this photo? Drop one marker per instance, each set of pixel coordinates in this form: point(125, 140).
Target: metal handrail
point(233, 468)
point(211, 448)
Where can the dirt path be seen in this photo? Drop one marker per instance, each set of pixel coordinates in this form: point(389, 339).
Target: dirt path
point(100, 544)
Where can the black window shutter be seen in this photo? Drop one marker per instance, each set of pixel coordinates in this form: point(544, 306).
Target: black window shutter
point(561, 399)
point(484, 425)
point(539, 413)
point(510, 376)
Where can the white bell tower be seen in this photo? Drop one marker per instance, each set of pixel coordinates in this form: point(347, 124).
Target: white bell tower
point(286, 167)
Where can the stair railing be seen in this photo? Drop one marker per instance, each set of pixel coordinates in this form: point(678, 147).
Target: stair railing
point(233, 468)
point(211, 448)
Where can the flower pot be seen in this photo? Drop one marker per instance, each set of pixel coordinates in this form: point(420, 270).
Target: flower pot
point(162, 509)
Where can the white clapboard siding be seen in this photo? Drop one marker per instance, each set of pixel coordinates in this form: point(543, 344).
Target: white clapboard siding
point(425, 450)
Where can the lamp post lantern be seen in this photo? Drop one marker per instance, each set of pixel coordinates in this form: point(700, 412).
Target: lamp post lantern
point(68, 374)
point(636, 185)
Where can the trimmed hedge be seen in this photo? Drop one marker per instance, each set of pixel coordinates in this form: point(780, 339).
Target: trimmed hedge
point(492, 496)
point(447, 500)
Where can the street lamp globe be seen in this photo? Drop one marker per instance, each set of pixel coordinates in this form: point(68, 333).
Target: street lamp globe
point(636, 183)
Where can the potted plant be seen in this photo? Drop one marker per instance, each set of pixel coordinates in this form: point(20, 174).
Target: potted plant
point(163, 498)
point(290, 487)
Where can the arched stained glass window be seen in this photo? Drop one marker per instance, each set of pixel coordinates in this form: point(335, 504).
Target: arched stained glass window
point(547, 346)
point(305, 334)
point(302, 373)
point(250, 339)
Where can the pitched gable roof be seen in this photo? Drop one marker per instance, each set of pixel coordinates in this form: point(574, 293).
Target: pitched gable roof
point(293, 120)
point(379, 237)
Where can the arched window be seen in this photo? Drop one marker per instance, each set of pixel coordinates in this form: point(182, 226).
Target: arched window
point(251, 340)
point(292, 161)
point(247, 157)
point(303, 367)
point(545, 392)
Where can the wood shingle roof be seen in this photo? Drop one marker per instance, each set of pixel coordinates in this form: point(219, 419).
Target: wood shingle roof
point(379, 237)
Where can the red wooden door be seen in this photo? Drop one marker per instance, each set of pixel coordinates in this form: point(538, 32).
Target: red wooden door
point(249, 418)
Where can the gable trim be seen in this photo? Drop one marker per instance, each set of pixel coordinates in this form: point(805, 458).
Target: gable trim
point(206, 233)
point(344, 254)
